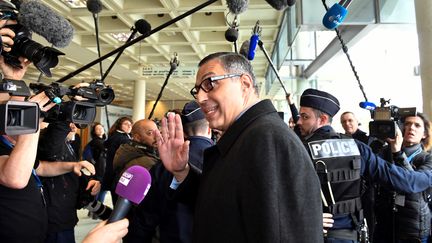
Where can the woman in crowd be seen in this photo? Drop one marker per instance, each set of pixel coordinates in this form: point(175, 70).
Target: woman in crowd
point(118, 134)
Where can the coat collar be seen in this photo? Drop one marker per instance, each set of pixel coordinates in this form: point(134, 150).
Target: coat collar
point(236, 129)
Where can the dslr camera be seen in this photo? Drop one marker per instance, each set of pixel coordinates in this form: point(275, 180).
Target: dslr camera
point(386, 118)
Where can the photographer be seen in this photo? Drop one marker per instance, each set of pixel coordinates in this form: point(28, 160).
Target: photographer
point(405, 218)
point(24, 217)
point(67, 192)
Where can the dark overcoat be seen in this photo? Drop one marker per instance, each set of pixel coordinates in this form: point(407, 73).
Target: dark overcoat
point(258, 185)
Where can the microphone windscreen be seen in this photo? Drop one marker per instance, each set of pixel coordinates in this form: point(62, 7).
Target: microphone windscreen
point(334, 16)
point(143, 27)
point(134, 184)
point(94, 6)
point(244, 49)
point(252, 46)
point(237, 6)
point(45, 22)
point(367, 105)
point(278, 4)
point(291, 2)
point(231, 34)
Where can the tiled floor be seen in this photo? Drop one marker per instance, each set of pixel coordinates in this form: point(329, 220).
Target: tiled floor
point(85, 223)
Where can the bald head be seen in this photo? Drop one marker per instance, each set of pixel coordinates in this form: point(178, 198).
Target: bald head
point(143, 132)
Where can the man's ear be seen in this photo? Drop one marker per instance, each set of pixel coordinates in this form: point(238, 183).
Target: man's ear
point(246, 81)
point(324, 119)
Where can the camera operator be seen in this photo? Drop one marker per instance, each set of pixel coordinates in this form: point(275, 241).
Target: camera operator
point(405, 218)
point(24, 217)
point(342, 163)
point(65, 193)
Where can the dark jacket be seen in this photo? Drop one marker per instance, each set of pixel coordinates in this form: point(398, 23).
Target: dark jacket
point(361, 136)
point(96, 155)
point(376, 169)
point(174, 218)
point(112, 144)
point(412, 217)
point(61, 191)
point(258, 185)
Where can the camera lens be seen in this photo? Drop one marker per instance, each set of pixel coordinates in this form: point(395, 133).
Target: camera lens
point(79, 113)
point(106, 95)
point(14, 118)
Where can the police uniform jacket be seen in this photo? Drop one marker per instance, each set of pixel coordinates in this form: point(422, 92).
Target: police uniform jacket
point(258, 185)
point(376, 169)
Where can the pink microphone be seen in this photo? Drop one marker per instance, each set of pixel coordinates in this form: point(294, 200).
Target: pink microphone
point(132, 187)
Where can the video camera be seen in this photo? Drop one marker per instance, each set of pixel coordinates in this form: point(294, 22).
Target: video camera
point(81, 113)
point(386, 118)
point(17, 117)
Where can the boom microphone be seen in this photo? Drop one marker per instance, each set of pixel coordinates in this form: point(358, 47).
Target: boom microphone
point(367, 105)
point(237, 6)
point(143, 27)
point(132, 187)
point(94, 6)
point(280, 4)
point(244, 49)
point(336, 14)
point(45, 22)
point(256, 32)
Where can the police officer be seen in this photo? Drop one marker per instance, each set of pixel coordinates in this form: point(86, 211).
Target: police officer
point(342, 162)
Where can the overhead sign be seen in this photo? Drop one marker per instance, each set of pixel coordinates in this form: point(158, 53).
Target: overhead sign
point(180, 72)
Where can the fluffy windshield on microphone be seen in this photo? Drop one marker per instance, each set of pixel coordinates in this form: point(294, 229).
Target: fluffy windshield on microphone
point(291, 2)
point(237, 6)
point(280, 4)
point(143, 26)
point(244, 49)
point(94, 6)
point(45, 22)
point(134, 184)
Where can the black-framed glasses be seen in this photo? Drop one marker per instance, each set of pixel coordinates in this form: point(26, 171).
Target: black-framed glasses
point(208, 84)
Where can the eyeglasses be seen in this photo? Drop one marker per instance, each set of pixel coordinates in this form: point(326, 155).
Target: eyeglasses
point(208, 84)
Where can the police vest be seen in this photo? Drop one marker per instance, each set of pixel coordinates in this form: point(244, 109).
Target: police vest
point(337, 162)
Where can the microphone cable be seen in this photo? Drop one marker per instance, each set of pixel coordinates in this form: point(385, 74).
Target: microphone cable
point(345, 50)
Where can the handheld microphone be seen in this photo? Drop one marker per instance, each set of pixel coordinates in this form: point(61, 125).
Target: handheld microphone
point(132, 187)
point(256, 32)
point(237, 6)
point(336, 14)
point(367, 105)
point(45, 22)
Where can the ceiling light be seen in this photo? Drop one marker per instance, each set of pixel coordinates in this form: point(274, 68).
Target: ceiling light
point(121, 36)
point(208, 13)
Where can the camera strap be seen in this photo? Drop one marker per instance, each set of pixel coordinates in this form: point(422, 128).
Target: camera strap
point(418, 151)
